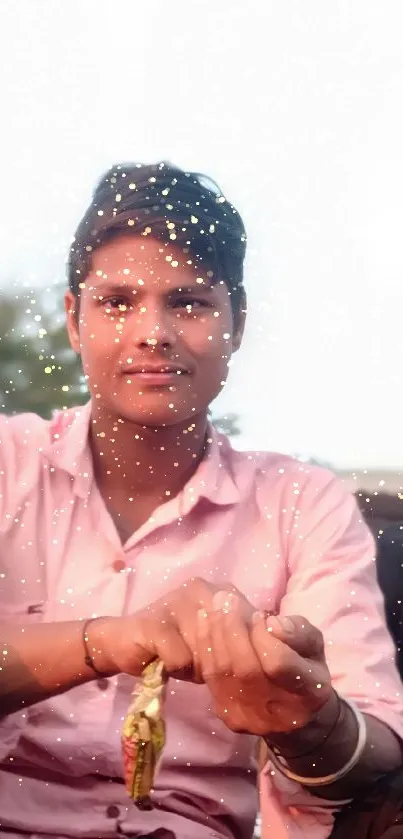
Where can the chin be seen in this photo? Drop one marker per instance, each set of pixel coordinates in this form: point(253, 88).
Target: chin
point(152, 415)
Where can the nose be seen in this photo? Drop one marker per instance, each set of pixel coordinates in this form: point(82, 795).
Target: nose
point(152, 329)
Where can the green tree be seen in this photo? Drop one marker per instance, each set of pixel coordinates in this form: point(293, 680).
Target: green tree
point(38, 370)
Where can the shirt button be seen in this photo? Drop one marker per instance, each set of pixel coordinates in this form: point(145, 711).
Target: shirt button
point(102, 684)
point(119, 565)
point(112, 811)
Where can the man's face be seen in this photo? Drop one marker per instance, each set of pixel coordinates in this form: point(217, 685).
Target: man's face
point(154, 335)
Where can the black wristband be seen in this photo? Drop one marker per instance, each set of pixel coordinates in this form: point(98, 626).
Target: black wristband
point(277, 749)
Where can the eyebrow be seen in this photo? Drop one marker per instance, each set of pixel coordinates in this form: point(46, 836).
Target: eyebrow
point(112, 288)
point(201, 287)
point(125, 288)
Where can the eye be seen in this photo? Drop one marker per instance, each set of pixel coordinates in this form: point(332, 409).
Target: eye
point(115, 303)
point(191, 304)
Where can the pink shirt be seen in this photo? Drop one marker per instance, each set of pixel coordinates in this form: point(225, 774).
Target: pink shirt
point(286, 534)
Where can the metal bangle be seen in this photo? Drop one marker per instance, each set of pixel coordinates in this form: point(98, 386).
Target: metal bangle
point(277, 750)
point(88, 659)
point(324, 781)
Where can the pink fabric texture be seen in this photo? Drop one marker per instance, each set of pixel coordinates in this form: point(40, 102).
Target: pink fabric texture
point(286, 534)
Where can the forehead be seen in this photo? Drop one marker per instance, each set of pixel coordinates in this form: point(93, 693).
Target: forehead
point(129, 259)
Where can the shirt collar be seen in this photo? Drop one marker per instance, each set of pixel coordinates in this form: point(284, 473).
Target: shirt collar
point(69, 446)
point(70, 450)
point(214, 479)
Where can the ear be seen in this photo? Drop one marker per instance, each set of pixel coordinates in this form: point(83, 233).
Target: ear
point(71, 304)
point(239, 324)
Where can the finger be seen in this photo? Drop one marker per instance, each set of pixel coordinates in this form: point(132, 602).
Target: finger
point(173, 651)
point(233, 601)
point(282, 664)
point(224, 647)
point(244, 663)
point(211, 654)
point(231, 668)
point(205, 657)
point(297, 632)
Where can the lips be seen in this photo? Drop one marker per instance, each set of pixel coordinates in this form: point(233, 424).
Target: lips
point(155, 375)
point(154, 370)
point(151, 368)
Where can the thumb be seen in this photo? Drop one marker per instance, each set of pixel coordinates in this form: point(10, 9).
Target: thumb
point(297, 632)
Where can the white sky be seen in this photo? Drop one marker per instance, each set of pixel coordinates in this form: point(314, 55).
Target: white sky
point(296, 109)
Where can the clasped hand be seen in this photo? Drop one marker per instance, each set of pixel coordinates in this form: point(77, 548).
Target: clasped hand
point(266, 674)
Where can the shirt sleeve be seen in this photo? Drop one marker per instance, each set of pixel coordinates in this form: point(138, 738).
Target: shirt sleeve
point(333, 583)
point(21, 438)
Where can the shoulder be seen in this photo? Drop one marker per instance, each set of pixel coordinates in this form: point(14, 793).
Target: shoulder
point(302, 484)
point(26, 442)
point(34, 433)
point(30, 434)
point(303, 498)
point(22, 437)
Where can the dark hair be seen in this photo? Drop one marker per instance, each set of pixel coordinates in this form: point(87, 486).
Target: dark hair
point(184, 209)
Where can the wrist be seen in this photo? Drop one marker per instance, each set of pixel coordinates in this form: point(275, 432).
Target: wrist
point(100, 645)
point(335, 767)
point(310, 738)
point(331, 762)
point(120, 645)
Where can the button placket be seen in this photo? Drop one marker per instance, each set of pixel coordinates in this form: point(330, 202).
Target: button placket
point(119, 565)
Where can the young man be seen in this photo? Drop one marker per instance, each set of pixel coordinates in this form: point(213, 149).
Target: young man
point(134, 513)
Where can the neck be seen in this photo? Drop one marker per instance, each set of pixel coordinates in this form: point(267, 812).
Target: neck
point(139, 461)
